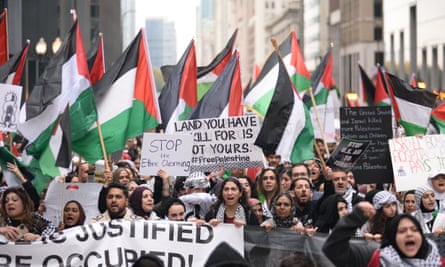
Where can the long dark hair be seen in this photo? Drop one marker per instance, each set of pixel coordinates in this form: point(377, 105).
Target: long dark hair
point(261, 192)
point(82, 215)
point(28, 205)
point(242, 200)
point(389, 237)
point(379, 222)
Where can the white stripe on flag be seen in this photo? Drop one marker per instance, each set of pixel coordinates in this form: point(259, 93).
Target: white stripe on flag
point(293, 129)
point(413, 113)
point(262, 88)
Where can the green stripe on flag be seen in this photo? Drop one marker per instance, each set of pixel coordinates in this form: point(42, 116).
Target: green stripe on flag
point(82, 114)
point(301, 82)
point(440, 124)
point(412, 129)
point(320, 98)
point(303, 147)
point(185, 113)
point(203, 88)
point(262, 105)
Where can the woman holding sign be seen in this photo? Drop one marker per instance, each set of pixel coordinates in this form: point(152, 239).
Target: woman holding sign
point(231, 206)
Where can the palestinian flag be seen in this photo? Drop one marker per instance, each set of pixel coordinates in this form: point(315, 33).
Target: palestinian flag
point(179, 95)
point(413, 106)
point(438, 116)
point(257, 97)
point(322, 81)
point(287, 128)
point(96, 61)
point(327, 100)
point(56, 159)
point(381, 97)
point(295, 65)
point(11, 72)
point(207, 75)
point(224, 98)
point(64, 81)
point(126, 102)
point(367, 88)
point(4, 46)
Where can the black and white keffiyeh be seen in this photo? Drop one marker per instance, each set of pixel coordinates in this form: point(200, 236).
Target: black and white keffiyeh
point(239, 213)
point(390, 258)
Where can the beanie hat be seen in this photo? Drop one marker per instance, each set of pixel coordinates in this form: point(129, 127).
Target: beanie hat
point(196, 180)
point(382, 198)
point(418, 193)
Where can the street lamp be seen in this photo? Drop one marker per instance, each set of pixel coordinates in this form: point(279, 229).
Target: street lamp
point(41, 47)
point(56, 45)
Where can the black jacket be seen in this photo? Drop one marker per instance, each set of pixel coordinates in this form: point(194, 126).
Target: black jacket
point(340, 250)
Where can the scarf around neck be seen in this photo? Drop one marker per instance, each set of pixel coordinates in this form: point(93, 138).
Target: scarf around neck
point(390, 258)
point(239, 213)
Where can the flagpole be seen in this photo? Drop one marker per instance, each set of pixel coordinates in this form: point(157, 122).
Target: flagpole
point(102, 145)
point(63, 201)
point(320, 126)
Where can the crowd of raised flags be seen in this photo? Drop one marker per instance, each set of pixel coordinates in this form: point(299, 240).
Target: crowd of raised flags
point(107, 107)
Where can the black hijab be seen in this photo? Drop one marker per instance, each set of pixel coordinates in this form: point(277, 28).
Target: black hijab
point(389, 237)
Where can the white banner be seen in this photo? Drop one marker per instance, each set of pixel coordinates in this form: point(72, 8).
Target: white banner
point(121, 243)
point(10, 99)
point(414, 159)
point(223, 142)
point(60, 193)
point(170, 152)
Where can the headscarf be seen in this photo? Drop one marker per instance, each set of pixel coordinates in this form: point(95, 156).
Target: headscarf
point(135, 201)
point(289, 220)
point(390, 254)
point(382, 198)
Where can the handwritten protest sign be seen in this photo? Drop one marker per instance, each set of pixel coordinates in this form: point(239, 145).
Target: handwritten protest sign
point(171, 152)
point(10, 99)
point(414, 159)
point(223, 142)
point(347, 153)
point(371, 124)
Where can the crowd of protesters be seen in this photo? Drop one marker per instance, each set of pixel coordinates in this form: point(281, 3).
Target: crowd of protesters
point(306, 197)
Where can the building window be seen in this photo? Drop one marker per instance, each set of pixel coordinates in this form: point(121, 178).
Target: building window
point(379, 58)
point(443, 68)
point(94, 9)
point(378, 34)
point(402, 56)
point(435, 70)
point(378, 9)
point(424, 66)
point(391, 52)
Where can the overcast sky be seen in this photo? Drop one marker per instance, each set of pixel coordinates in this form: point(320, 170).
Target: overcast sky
point(182, 12)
